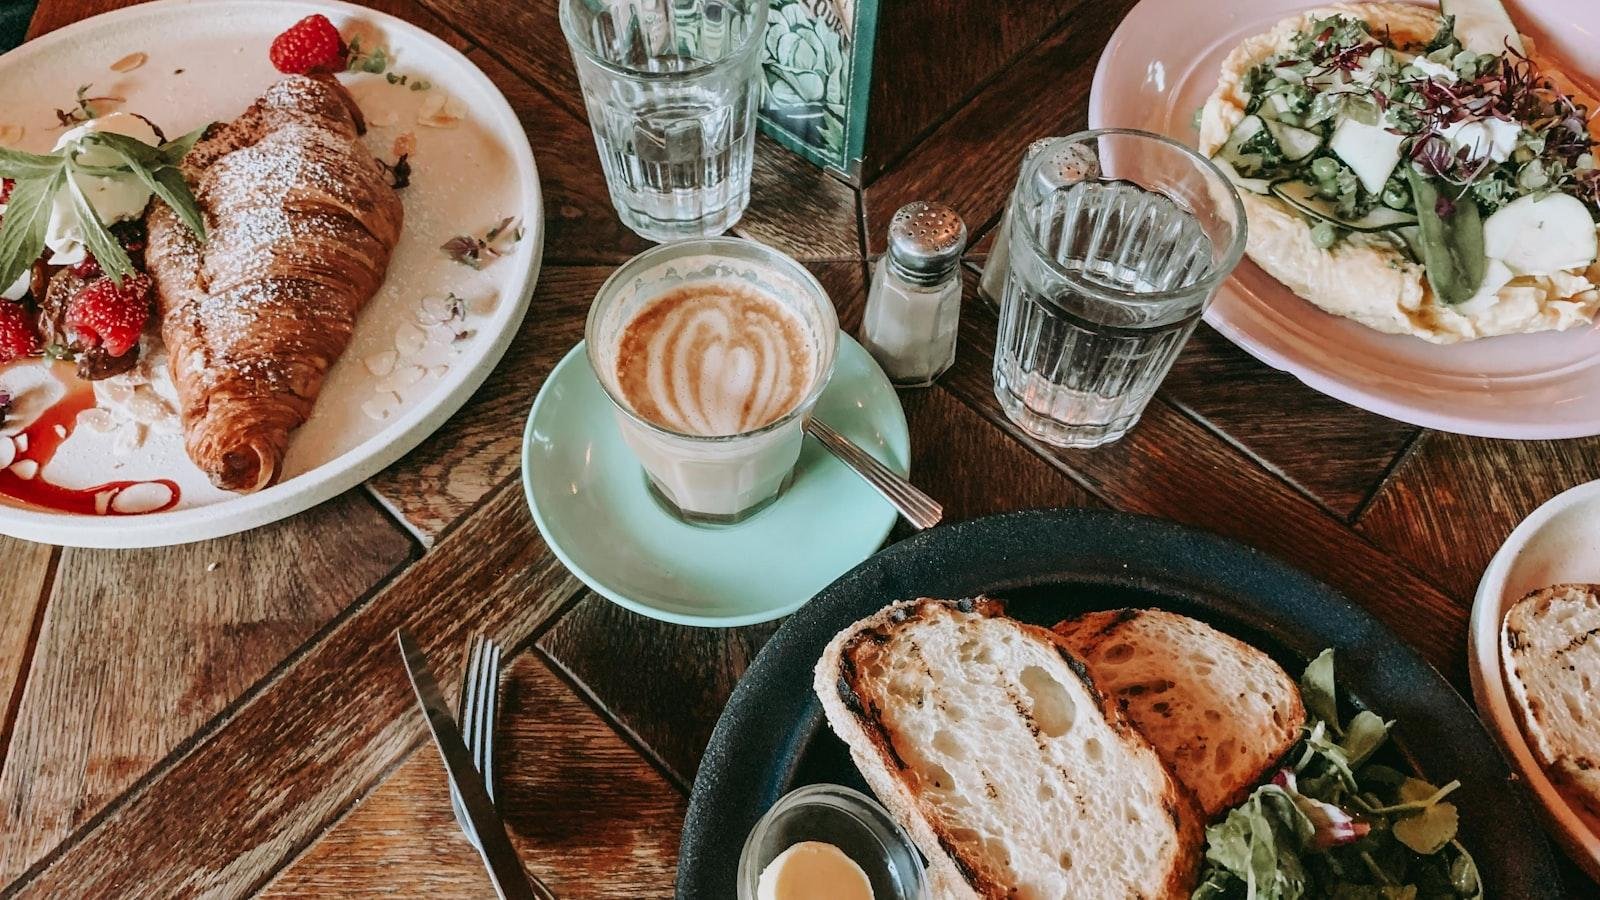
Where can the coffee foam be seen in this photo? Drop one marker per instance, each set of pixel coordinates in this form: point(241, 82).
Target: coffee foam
point(715, 358)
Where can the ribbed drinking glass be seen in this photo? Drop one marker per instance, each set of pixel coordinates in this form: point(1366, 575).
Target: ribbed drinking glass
point(1110, 270)
point(672, 88)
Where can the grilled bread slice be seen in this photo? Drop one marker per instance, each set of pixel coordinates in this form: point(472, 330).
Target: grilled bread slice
point(1014, 776)
point(1550, 645)
point(1220, 712)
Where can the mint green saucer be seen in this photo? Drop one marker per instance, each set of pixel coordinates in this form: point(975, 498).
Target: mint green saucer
point(591, 503)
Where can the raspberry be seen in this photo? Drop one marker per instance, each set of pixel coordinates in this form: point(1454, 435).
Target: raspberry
point(110, 317)
point(6, 185)
point(18, 338)
point(310, 45)
point(89, 268)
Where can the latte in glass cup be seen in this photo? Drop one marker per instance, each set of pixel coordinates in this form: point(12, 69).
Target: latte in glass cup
point(713, 352)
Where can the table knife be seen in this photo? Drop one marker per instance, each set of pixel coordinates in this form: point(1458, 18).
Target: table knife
point(505, 869)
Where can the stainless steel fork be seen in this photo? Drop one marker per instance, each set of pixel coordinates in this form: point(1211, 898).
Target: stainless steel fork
point(480, 693)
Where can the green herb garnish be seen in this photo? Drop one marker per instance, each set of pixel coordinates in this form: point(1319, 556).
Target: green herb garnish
point(40, 177)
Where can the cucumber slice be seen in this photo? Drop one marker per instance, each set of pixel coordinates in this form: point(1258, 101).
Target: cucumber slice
point(1539, 235)
point(1296, 143)
point(1482, 26)
point(1304, 198)
point(1248, 127)
point(1253, 185)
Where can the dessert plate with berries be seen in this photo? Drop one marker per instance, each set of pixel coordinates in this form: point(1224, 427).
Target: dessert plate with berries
point(253, 251)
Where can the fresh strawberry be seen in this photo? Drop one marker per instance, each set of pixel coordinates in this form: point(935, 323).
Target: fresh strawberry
point(6, 185)
point(310, 45)
point(110, 317)
point(18, 337)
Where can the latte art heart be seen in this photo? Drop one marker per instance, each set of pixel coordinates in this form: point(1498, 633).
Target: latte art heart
point(715, 359)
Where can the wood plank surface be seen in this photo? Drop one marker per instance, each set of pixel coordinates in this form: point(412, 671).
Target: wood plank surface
point(587, 815)
point(1335, 453)
point(970, 162)
point(1171, 466)
point(225, 814)
point(26, 569)
point(140, 648)
point(1455, 499)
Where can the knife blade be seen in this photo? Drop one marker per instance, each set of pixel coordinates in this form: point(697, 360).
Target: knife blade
point(505, 869)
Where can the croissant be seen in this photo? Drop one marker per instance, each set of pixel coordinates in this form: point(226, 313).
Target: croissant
point(300, 222)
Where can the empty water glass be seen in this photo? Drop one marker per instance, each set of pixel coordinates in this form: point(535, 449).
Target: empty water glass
point(672, 88)
point(1112, 261)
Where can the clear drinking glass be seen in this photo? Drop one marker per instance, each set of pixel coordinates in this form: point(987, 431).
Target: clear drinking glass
point(672, 88)
point(1109, 273)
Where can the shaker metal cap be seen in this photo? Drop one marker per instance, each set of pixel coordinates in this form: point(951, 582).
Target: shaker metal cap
point(926, 240)
point(1063, 162)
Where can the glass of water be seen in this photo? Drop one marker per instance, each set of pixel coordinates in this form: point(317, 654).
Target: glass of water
point(1111, 267)
point(672, 88)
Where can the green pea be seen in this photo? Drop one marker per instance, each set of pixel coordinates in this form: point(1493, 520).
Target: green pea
point(1324, 168)
point(1324, 235)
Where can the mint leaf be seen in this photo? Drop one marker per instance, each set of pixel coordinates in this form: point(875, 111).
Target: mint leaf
point(27, 215)
point(107, 251)
point(173, 151)
point(170, 186)
point(1363, 736)
point(18, 165)
point(132, 150)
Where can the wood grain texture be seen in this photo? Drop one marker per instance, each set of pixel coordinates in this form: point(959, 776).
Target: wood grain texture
point(587, 815)
point(1335, 453)
point(225, 814)
point(664, 684)
point(446, 476)
point(25, 570)
point(53, 14)
point(1171, 466)
point(970, 162)
point(1455, 499)
point(929, 57)
point(139, 649)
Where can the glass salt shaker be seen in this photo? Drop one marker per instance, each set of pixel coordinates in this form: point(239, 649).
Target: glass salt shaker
point(1067, 164)
point(914, 304)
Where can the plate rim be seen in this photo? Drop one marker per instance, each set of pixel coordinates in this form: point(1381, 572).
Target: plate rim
point(1324, 377)
point(1134, 550)
point(353, 467)
point(1487, 672)
point(632, 604)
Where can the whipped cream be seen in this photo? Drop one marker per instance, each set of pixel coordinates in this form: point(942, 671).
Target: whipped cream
point(114, 198)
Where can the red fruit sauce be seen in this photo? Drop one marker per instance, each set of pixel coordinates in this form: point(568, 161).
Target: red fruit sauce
point(44, 441)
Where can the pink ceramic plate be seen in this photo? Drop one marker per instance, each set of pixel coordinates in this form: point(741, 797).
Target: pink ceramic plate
point(1158, 69)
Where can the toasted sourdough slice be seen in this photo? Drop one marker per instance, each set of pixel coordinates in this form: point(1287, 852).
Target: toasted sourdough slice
point(1550, 644)
point(1014, 776)
point(1220, 712)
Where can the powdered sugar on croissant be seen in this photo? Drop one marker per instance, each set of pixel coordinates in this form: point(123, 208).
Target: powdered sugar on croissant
point(300, 222)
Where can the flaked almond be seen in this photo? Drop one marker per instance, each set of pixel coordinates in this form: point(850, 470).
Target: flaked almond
point(482, 306)
point(8, 453)
point(117, 390)
point(60, 430)
point(129, 438)
point(381, 407)
point(25, 469)
point(147, 407)
point(435, 353)
point(130, 62)
point(382, 118)
point(144, 497)
point(382, 363)
point(405, 143)
point(97, 419)
point(102, 502)
point(408, 339)
point(398, 380)
point(22, 443)
point(11, 134)
point(440, 110)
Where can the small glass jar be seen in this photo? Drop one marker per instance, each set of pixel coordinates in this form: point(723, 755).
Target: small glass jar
point(914, 304)
point(850, 821)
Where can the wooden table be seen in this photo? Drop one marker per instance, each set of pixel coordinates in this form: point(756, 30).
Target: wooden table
point(231, 717)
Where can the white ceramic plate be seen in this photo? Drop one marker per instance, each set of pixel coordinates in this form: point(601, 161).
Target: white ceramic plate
point(1558, 543)
point(207, 60)
point(1158, 69)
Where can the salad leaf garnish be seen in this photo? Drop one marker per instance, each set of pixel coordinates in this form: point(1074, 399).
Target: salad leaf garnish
point(41, 177)
point(1452, 240)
